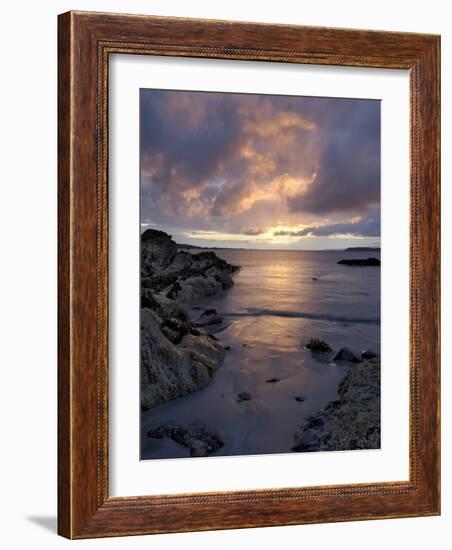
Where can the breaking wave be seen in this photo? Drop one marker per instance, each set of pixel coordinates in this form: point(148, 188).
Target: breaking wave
point(250, 312)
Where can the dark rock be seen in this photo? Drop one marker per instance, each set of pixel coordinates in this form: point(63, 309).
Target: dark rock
point(199, 439)
point(361, 262)
point(175, 329)
point(369, 354)
point(209, 259)
point(345, 354)
point(314, 278)
point(173, 290)
point(212, 322)
point(318, 345)
point(168, 371)
point(160, 282)
point(209, 317)
point(227, 348)
point(157, 250)
point(162, 306)
point(273, 380)
point(300, 398)
point(243, 396)
point(172, 335)
point(178, 274)
point(352, 421)
point(199, 448)
point(210, 349)
point(316, 422)
point(148, 300)
point(306, 441)
point(177, 358)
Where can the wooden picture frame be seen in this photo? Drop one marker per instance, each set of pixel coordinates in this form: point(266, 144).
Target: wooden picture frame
point(85, 42)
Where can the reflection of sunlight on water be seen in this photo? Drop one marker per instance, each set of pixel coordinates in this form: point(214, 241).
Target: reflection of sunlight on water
point(280, 276)
point(309, 282)
point(269, 286)
point(281, 332)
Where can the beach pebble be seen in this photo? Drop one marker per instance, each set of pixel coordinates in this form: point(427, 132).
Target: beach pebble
point(321, 346)
point(243, 396)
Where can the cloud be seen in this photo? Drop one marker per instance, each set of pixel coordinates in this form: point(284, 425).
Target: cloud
point(283, 122)
point(365, 228)
point(348, 177)
point(253, 231)
point(223, 162)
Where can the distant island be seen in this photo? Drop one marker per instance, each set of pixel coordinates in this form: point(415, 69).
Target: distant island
point(185, 246)
point(373, 262)
point(362, 249)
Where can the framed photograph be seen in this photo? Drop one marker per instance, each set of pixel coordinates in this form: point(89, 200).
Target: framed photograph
point(249, 271)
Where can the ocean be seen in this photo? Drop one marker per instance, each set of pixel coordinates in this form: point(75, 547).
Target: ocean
point(279, 301)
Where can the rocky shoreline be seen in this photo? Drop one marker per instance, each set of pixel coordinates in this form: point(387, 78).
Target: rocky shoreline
point(350, 422)
point(178, 355)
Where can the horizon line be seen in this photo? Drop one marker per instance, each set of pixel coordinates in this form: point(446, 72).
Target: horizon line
point(348, 248)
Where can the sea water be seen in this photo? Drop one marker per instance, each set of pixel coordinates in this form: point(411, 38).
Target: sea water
point(279, 301)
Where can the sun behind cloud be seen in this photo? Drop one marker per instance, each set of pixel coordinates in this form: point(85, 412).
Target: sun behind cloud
point(260, 170)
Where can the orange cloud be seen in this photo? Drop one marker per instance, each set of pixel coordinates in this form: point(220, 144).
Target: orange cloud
point(282, 121)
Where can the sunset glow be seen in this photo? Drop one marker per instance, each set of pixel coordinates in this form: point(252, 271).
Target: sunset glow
point(249, 171)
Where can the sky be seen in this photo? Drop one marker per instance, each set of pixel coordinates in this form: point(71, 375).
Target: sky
point(260, 171)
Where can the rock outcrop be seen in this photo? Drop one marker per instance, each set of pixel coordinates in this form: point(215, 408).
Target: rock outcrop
point(369, 354)
point(209, 317)
point(200, 440)
point(158, 251)
point(345, 354)
point(179, 275)
point(361, 262)
point(319, 346)
point(177, 356)
point(350, 422)
point(168, 370)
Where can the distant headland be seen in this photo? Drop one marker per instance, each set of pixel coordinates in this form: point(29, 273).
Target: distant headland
point(362, 249)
